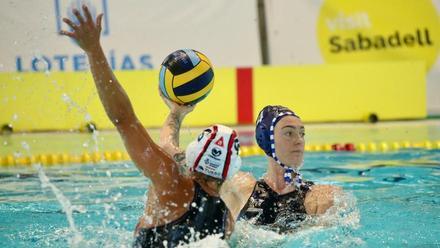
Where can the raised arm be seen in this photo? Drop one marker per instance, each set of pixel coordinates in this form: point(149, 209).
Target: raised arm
point(170, 131)
point(112, 95)
point(148, 156)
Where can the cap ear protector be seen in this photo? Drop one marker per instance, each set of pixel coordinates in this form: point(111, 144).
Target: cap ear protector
point(215, 153)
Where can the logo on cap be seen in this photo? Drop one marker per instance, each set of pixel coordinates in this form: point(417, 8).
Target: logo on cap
point(216, 152)
point(220, 142)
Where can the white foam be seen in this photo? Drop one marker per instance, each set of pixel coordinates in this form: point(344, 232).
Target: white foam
point(213, 241)
point(337, 223)
point(65, 204)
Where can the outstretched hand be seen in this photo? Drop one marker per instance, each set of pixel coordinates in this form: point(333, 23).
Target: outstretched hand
point(175, 108)
point(87, 32)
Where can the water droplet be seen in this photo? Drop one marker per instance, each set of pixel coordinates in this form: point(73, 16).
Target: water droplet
point(25, 145)
point(65, 97)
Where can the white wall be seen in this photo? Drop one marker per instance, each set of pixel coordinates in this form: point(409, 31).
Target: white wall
point(141, 33)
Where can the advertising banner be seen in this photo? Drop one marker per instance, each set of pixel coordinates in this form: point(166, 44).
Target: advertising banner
point(136, 35)
point(341, 31)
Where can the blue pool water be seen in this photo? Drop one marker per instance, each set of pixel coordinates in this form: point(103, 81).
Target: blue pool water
point(390, 200)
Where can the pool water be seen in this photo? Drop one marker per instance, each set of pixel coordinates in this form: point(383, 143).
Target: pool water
point(390, 200)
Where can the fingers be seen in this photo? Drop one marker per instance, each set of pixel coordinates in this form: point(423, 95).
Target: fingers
point(70, 23)
point(87, 14)
point(78, 16)
point(84, 22)
point(190, 107)
point(99, 21)
point(172, 105)
point(69, 34)
point(162, 96)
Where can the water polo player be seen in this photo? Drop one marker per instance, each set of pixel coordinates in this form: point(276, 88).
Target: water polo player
point(281, 199)
point(182, 208)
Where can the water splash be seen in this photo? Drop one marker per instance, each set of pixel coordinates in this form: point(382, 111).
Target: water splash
point(95, 136)
point(65, 204)
point(71, 104)
point(248, 235)
point(214, 241)
point(343, 213)
point(67, 207)
point(334, 228)
point(94, 236)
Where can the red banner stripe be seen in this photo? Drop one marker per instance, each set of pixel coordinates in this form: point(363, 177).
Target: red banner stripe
point(245, 102)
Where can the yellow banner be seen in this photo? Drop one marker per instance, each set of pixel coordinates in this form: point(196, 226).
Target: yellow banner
point(68, 100)
point(338, 92)
point(345, 92)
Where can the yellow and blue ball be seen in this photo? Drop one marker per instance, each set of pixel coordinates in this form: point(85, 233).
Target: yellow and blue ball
point(186, 76)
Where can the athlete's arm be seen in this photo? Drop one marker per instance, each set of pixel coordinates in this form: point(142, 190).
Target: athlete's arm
point(148, 156)
point(170, 131)
point(320, 198)
point(230, 225)
point(112, 95)
point(235, 192)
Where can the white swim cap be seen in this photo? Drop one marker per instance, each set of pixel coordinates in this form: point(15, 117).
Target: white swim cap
point(215, 152)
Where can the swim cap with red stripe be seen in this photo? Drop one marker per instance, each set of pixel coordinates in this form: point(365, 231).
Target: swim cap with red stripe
point(215, 152)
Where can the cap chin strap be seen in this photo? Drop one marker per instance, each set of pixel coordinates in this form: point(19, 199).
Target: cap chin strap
point(288, 171)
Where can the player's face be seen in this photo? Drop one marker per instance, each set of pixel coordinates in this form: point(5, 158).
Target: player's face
point(289, 141)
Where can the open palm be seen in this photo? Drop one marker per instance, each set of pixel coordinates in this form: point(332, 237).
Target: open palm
point(87, 32)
